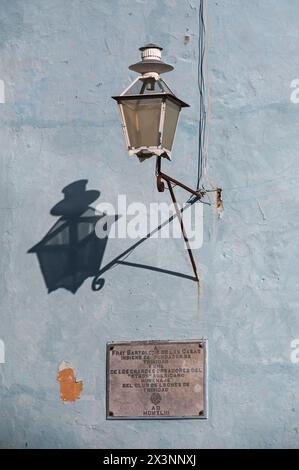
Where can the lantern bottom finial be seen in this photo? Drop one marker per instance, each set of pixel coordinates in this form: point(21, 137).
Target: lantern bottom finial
point(143, 153)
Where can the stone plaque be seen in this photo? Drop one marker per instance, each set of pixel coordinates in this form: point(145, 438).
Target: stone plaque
point(156, 379)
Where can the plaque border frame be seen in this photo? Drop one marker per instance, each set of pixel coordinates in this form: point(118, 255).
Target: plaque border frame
point(204, 341)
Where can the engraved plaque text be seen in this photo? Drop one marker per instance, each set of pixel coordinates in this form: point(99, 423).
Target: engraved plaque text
point(156, 379)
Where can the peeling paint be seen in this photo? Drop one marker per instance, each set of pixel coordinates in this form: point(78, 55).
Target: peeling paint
point(70, 389)
point(186, 39)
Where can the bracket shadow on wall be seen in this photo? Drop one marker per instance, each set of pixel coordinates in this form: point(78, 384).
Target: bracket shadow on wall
point(71, 252)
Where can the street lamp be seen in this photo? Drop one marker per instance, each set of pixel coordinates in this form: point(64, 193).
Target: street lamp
point(149, 113)
point(149, 110)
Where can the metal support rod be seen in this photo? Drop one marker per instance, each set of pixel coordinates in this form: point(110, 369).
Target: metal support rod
point(161, 176)
point(160, 185)
point(178, 183)
point(178, 213)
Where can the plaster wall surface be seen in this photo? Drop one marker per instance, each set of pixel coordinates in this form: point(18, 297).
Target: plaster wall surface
point(60, 62)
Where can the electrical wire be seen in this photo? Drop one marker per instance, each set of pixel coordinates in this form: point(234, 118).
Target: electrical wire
point(202, 166)
point(201, 158)
point(202, 94)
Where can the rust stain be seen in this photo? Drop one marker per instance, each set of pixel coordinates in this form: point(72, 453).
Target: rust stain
point(70, 389)
point(219, 202)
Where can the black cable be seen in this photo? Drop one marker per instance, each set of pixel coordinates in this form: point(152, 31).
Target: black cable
point(202, 93)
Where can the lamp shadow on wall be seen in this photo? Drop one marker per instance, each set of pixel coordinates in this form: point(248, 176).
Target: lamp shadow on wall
point(71, 252)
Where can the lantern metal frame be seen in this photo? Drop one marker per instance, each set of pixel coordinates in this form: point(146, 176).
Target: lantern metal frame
point(153, 150)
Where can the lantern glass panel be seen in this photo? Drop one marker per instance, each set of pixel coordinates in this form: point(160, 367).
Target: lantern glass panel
point(172, 112)
point(142, 119)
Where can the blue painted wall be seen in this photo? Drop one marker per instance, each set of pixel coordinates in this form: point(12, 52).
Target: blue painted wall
point(60, 62)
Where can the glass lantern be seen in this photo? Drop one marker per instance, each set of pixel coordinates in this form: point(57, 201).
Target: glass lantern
point(149, 110)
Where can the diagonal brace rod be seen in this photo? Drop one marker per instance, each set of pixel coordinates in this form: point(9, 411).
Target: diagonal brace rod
point(179, 216)
point(198, 194)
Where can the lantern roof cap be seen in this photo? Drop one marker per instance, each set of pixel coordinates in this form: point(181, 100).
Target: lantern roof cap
point(144, 85)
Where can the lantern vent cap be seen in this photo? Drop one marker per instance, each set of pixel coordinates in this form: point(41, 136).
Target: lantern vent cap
point(151, 60)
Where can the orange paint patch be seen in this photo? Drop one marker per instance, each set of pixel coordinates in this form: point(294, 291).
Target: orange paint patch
point(70, 389)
